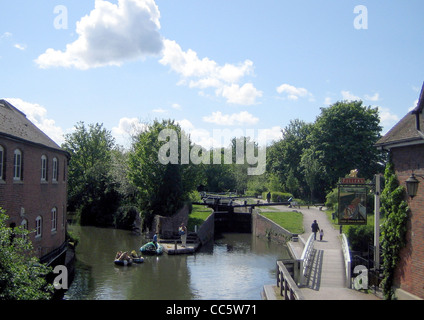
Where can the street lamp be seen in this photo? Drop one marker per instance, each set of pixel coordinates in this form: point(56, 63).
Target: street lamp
point(412, 185)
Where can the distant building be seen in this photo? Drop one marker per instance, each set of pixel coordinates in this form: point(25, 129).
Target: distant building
point(405, 142)
point(33, 182)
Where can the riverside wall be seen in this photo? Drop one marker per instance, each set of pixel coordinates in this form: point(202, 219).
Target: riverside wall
point(264, 227)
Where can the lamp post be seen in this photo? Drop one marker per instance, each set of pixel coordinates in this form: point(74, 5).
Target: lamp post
point(412, 185)
point(377, 222)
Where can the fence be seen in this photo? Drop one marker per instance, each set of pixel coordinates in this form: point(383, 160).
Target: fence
point(305, 258)
point(288, 288)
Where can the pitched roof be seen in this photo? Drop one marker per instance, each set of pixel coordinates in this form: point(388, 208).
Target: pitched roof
point(14, 124)
point(408, 131)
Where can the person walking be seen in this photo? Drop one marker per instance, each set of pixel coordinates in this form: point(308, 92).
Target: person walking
point(321, 234)
point(315, 229)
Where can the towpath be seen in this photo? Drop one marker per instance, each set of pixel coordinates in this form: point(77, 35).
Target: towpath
point(326, 280)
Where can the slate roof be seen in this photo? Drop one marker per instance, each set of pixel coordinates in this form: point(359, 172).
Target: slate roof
point(14, 124)
point(407, 130)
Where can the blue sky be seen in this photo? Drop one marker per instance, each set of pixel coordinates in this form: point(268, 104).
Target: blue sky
point(211, 65)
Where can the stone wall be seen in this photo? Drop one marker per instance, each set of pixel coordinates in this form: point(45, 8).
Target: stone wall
point(167, 227)
point(206, 231)
point(263, 227)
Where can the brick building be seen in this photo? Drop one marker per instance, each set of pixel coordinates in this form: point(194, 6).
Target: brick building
point(405, 142)
point(33, 186)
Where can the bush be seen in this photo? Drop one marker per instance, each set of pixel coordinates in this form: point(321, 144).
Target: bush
point(124, 217)
point(332, 199)
point(22, 277)
point(360, 237)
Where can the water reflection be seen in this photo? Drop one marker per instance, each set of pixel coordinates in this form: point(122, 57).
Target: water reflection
point(235, 266)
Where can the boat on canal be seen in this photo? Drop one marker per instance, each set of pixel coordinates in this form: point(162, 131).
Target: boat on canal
point(152, 249)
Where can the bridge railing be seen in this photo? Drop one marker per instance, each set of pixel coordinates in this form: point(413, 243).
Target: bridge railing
point(288, 288)
point(347, 260)
point(305, 259)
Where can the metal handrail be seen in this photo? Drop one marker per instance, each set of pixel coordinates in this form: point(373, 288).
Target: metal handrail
point(347, 260)
point(305, 258)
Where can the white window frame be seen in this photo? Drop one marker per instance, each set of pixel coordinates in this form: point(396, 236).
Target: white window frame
point(43, 168)
point(54, 219)
point(24, 225)
point(17, 165)
point(38, 227)
point(55, 169)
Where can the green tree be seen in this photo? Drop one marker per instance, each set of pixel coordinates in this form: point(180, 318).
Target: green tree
point(342, 139)
point(393, 231)
point(312, 169)
point(22, 277)
point(162, 187)
point(284, 157)
point(91, 189)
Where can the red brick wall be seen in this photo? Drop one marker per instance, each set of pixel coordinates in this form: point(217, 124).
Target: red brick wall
point(410, 271)
point(37, 198)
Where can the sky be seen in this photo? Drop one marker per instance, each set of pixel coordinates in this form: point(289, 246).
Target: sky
point(246, 66)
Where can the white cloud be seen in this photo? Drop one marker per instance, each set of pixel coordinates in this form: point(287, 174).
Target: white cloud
point(127, 128)
point(198, 136)
point(6, 35)
point(375, 97)
point(349, 96)
point(37, 114)
point(176, 106)
point(413, 106)
point(21, 47)
point(206, 73)
point(218, 138)
point(245, 95)
point(292, 92)
point(110, 35)
point(242, 118)
point(273, 134)
point(387, 119)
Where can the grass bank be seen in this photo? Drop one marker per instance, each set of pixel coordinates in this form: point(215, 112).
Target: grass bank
point(290, 220)
point(198, 215)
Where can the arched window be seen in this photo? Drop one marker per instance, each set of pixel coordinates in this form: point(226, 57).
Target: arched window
point(17, 165)
point(43, 168)
point(38, 226)
point(55, 169)
point(54, 219)
point(24, 225)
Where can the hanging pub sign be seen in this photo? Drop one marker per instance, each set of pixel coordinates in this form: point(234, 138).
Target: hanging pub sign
point(352, 201)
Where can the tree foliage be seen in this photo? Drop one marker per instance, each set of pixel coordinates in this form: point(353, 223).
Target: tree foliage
point(395, 208)
point(92, 192)
point(310, 158)
point(22, 277)
point(162, 188)
point(343, 138)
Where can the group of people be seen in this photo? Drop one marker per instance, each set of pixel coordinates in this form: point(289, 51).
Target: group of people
point(315, 228)
point(125, 256)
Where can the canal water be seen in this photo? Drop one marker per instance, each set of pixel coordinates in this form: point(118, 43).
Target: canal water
point(233, 267)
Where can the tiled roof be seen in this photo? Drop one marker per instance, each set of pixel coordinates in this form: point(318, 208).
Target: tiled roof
point(14, 124)
point(406, 130)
